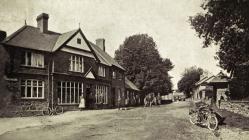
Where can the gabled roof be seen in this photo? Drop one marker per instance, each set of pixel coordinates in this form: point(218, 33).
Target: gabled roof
point(220, 78)
point(104, 57)
point(130, 85)
point(204, 80)
point(31, 38)
point(63, 38)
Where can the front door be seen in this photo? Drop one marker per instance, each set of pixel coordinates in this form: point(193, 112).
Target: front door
point(89, 97)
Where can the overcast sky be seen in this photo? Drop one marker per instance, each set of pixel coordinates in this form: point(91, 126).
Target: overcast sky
point(165, 20)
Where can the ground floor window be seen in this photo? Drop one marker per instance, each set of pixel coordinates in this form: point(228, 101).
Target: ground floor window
point(101, 94)
point(32, 89)
point(69, 92)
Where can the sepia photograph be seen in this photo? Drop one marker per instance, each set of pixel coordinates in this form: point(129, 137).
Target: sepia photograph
point(124, 69)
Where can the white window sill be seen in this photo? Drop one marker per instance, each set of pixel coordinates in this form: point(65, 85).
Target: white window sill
point(29, 66)
point(33, 98)
point(76, 71)
point(68, 103)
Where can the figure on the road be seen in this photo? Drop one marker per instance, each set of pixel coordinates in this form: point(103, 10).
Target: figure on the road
point(82, 102)
point(148, 100)
point(158, 98)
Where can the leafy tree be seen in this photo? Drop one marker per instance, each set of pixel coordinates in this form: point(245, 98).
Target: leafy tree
point(189, 77)
point(144, 66)
point(226, 23)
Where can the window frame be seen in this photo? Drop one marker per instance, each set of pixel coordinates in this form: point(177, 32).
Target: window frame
point(34, 58)
point(101, 94)
point(75, 88)
point(32, 88)
point(101, 71)
point(78, 41)
point(76, 63)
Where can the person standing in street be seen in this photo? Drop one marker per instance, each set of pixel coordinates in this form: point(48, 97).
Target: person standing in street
point(82, 102)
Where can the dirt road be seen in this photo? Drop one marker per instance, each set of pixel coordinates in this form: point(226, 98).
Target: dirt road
point(167, 122)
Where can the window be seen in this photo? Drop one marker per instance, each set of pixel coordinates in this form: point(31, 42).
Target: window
point(33, 89)
point(69, 92)
point(76, 64)
point(101, 71)
point(32, 59)
point(101, 94)
point(119, 76)
point(78, 41)
point(114, 75)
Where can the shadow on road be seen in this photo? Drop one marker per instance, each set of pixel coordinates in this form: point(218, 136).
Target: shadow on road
point(235, 120)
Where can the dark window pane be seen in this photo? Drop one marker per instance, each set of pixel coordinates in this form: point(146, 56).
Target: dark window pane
point(34, 83)
point(68, 97)
point(28, 82)
point(40, 92)
point(76, 98)
point(28, 91)
point(78, 40)
point(40, 83)
point(72, 97)
point(29, 58)
point(34, 91)
point(59, 94)
point(63, 95)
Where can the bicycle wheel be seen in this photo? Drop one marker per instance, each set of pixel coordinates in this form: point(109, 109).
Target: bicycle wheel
point(212, 122)
point(46, 111)
point(193, 118)
point(59, 109)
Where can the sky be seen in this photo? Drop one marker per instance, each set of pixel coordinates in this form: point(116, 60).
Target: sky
point(164, 20)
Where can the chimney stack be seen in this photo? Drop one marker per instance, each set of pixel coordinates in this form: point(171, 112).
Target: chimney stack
point(101, 43)
point(3, 35)
point(42, 22)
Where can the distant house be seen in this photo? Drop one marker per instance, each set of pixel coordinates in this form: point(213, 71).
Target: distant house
point(202, 87)
point(53, 68)
point(210, 85)
point(132, 93)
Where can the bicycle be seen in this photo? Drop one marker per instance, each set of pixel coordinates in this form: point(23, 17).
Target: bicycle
point(54, 110)
point(204, 116)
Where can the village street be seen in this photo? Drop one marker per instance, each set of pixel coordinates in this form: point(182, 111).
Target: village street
point(164, 122)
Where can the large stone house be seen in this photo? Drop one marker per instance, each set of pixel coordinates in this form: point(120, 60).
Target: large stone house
point(50, 68)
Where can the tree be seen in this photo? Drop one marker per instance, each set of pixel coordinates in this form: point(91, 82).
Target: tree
point(144, 66)
point(225, 23)
point(189, 77)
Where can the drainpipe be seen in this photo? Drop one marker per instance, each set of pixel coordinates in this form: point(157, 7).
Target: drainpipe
point(52, 82)
point(48, 83)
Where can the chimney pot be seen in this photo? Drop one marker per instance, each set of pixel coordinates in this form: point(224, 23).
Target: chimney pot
point(101, 43)
point(3, 35)
point(42, 22)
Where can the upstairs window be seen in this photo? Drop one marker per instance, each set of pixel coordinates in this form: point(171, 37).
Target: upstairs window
point(78, 41)
point(76, 64)
point(32, 59)
point(101, 71)
point(114, 75)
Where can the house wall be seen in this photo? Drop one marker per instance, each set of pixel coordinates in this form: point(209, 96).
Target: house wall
point(56, 68)
point(118, 84)
point(15, 70)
